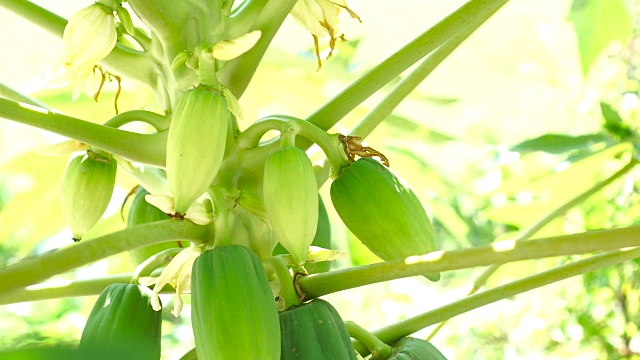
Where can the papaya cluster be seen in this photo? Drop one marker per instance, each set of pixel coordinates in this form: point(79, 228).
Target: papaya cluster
point(234, 316)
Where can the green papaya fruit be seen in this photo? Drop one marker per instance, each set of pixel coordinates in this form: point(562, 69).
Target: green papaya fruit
point(233, 310)
point(314, 331)
point(382, 212)
point(291, 200)
point(123, 320)
point(196, 143)
point(410, 348)
point(321, 239)
point(141, 212)
point(86, 190)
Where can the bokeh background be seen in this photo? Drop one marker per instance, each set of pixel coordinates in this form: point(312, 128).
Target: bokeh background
point(460, 140)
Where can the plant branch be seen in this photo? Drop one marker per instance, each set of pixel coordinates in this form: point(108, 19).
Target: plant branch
point(57, 289)
point(12, 94)
point(33, 270)
point(143, 148)
point(409, 83)
point(406, 327)
point(481, 280)
point(470, 15)
point(498, 252)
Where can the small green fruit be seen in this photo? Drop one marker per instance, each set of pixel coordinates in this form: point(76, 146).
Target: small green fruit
point(291, 200)
point(86, 190)
point(195, 144)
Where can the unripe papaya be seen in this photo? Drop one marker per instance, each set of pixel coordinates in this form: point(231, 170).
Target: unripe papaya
point(123, 320)
point(86, 190)
point(382, 212)
point(195, 144)
point(291, 200)
point(321, 239)
point(410, 348)
point(314, 331)
point(233, 311)
point(141, 212)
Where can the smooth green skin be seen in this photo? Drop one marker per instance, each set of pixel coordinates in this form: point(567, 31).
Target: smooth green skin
point(291, 200)
point(86, 191)
point(382, 213)
point(233, 310)
point(321, 239)
point(410, 348)
point(123, 320)
point(141, 212)
point(195, 144)
point(315, 331)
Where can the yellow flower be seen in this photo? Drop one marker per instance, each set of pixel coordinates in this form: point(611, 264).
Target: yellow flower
point(89, 37)
point(320, 17)
point(177, 274)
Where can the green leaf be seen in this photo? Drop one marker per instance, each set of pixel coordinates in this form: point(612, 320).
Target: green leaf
point(558, 144)
point(614, 123)
point(598, 23)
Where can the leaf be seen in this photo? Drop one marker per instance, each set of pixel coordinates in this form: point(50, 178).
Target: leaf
point(598, 23)
point(558, 143)
point(614, 123)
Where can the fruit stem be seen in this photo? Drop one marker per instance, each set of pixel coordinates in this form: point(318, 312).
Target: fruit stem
point(288, 295)
point(329, 143)
point(221, 217)
point(409, 326)
point(376, 347)
point(159, 122)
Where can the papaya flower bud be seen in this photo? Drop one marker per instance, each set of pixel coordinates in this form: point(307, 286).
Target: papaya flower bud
point(320, 17)
point(89, 37)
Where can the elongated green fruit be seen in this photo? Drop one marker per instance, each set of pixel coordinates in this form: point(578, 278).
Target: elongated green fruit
point(291, 200)
point(195, 144)
point(321, 239)
point(141, 212)
point(123, 320)
point(381, 212)
point(233, 310)
point(86, 191)
point(410, 348)
point(315, 331)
